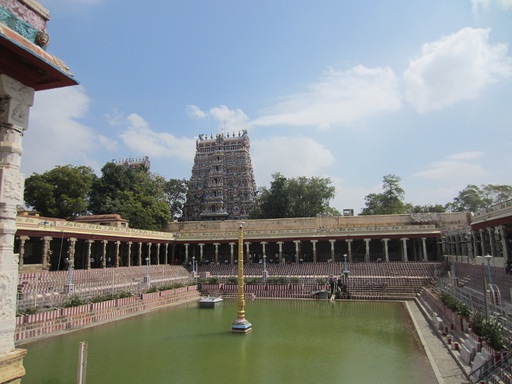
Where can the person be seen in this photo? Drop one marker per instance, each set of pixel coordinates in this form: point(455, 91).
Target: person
point(508, 267)
point(331, 283)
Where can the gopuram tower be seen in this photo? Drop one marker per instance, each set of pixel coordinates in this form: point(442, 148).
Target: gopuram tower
point(222, 183)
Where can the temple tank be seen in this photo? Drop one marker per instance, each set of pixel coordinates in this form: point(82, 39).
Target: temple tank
point(292, 342)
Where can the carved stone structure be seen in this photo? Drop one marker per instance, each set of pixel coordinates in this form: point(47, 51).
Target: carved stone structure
point(24, 68)
point(222, 184)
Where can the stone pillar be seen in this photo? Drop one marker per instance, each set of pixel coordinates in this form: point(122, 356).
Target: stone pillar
point(166, 257)
point(297, 250)
point(201, 245)
point(280, 244)
point(45, 257)
point(104, 243)
point(490, 233)
point(232, 253)
point(349, 249)
point(313, 243)
point(23, 239)
point(186, 252)
point(404, 249)
point(157, 253)
point(15, 102)
point(482, 242)
point(149, 253)
point(89, 243)
point(333, 256)
point(216, 252)
point(118, 256)
point(263, 246)
point(71, 251)
point(386, 249)
point(424, 247)
point(247, 251)
point(139, 256)
point(129, 261)
point(367, 250)
point(504, 244)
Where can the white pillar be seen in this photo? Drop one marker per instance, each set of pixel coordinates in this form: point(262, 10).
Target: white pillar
point(232, 253)
point(297, 243)
point(280, 244)
point(264, 246)
point(349, 249)
point(367, 251)
point(424, 244)
point(333, 257)
point(386, 249)
point(313, 242)
point(404, 249)
point(216, 252)
point(201, 245)
point(186, 253)
point(88, 243)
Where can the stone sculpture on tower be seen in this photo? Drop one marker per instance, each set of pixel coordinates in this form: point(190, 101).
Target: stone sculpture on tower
point(222, 184)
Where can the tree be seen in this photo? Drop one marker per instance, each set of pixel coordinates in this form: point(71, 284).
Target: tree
point(300, 197)
point(134, 193)
point(474, 198)
point(175, 191)
point(437, 208)
point(62, 192)
point(389, 202)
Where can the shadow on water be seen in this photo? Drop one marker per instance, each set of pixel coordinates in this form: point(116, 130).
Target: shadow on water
point(291, 341)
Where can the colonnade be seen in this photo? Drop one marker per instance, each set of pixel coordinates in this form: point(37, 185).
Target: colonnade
point(491, 240)
point(57, 253)
point(255, 250)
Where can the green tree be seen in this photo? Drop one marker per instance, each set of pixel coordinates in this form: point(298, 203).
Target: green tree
point(470, 199)
point(474, 198)
point(62, 192)
point(296, 197)
point(437, 208)
point(134, 193)
point(390, 201)
point(175, 191)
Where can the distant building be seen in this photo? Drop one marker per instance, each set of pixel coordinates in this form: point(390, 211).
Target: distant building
point(112, 220)
point(222, 183)
point(132, 162)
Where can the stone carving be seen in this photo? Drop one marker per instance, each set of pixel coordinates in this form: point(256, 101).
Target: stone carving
point(7, 298)
point(424, 217)
point(11, 186)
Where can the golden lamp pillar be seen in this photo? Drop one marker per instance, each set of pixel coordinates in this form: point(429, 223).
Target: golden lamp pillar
point(241, 325)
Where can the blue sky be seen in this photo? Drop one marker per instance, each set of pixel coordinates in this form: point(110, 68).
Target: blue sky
point(351, 90)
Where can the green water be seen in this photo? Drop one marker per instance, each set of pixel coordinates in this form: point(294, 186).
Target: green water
point(291, 342)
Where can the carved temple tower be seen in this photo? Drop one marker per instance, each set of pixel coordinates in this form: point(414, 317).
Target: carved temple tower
point(222, 184)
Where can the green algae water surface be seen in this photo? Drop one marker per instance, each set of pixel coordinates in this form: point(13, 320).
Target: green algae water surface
point(291, 342)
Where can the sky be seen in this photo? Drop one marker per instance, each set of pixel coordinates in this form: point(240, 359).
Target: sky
point(349, 90)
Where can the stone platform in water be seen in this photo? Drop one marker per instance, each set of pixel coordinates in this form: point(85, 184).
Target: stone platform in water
point(210, 302)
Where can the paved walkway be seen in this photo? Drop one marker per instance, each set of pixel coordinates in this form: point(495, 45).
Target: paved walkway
point(443, 363)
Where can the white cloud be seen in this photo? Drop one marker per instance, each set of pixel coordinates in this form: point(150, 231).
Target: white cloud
point(227, 119)
point(455, 168)
point(338, 97)
point(142, 140)
point(55, 135)
point(291, 156)
point(486, 4)
point(455, 68)
point(466, 155)
point(194, 112)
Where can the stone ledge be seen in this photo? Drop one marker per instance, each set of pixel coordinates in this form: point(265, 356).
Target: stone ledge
point(11, 366)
